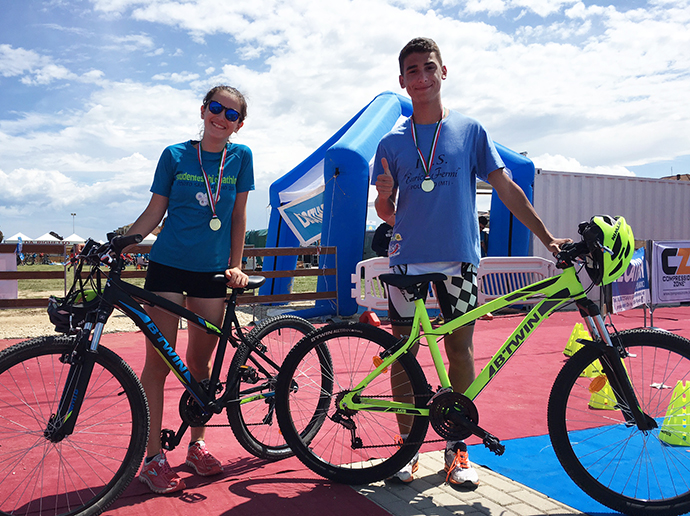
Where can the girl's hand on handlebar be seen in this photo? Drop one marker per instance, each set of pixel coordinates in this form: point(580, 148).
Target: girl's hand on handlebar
point(236, 278)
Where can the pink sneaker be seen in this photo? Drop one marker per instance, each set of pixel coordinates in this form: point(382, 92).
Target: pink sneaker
point(160, 478)
point(202, 461)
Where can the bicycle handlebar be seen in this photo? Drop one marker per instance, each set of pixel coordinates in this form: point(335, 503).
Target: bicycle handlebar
point(118, 243)
point(571, 252)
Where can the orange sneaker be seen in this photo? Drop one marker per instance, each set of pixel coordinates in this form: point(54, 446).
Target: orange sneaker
point(458, 468)
point(406, 474)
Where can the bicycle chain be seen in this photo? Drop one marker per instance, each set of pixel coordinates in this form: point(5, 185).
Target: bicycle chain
point(411, 443)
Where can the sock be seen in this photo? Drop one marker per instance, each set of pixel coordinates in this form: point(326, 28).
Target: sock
point(148, 460)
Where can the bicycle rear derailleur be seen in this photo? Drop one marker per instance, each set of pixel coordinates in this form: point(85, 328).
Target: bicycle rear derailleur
point(454, 417)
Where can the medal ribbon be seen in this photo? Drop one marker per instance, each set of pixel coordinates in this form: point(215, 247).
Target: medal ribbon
point(213, 200)
point(427, 164)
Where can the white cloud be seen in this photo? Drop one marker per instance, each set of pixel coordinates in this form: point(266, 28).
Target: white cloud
point(563, 164)
point(176, 77)
point(582, 86)
point(131, 43)
point(30, 66)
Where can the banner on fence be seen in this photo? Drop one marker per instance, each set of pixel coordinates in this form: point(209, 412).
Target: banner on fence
point(305, 216)
point(632, 289)
point(671, 272)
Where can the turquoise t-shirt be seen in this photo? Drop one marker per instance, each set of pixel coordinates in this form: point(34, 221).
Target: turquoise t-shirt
point(441, 225)
point(186, 241)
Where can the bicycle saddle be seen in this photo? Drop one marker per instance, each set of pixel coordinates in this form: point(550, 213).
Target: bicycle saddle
point(410, 280)
point(254, 281)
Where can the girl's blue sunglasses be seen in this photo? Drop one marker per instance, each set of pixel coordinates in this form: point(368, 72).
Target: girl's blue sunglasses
point(216, 108)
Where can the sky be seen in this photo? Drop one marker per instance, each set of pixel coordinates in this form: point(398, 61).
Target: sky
point(94, 90)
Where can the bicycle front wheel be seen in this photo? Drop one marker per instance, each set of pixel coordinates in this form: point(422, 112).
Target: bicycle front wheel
point(631, 471)
point(349, 446)
point(84, 472)
point(252, 379)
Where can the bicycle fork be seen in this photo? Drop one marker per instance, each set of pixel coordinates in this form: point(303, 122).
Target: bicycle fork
point(81, 361)
point(614, 369)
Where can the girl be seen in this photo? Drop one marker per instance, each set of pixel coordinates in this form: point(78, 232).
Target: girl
point(203, 186)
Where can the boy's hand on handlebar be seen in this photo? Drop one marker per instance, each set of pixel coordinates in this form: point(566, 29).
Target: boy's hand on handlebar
point(555, 245)
point(236, 278)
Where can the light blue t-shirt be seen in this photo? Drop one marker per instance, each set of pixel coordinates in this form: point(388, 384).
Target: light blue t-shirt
point(441, 225)
point(186, 241)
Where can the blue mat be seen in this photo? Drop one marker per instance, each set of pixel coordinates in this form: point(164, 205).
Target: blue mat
point(532, 462)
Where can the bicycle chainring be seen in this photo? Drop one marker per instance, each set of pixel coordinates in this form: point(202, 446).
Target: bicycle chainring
point(447, 414)
point(191, 412)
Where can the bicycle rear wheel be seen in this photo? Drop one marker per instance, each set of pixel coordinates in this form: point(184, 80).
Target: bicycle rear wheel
point(86, 471)
point(634, 472)
point(349, 446)
point(251, 380)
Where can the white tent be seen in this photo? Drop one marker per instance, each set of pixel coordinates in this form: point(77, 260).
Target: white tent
point(47, 237)
point(74, 239)
point(14, 239)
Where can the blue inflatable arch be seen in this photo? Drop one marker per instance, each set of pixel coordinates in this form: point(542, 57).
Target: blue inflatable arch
point(341, 165)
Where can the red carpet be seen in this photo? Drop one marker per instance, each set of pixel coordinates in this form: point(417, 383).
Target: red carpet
point(253, 487)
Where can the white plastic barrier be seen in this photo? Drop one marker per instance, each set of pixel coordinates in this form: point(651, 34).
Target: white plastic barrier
point(369, 292)
point(496, 277)
point(501, 275)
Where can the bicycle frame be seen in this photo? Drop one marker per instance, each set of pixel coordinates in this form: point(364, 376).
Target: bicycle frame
point(555, 291)
point(124, 296)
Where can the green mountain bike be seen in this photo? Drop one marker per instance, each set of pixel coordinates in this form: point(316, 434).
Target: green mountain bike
point(629, 452)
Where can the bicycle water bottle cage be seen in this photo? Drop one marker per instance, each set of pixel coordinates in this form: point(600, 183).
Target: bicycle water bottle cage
point(415, 284)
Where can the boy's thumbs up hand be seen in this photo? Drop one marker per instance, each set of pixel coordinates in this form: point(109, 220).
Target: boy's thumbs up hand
point(385, 182)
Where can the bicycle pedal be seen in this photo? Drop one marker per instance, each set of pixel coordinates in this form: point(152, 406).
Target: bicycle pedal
point(493, 443)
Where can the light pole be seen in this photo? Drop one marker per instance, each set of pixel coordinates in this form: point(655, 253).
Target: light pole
point(73, 215)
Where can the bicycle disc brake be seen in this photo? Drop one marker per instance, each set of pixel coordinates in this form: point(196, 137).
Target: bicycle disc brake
point(448, 414)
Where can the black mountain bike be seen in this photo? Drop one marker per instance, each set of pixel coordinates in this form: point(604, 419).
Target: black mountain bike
point(74, 419)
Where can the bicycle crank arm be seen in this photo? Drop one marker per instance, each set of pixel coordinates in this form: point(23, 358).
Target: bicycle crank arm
point(492, 442)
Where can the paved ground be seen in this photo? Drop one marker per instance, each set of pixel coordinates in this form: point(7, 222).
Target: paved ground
point(287, 488)
point(429, 495)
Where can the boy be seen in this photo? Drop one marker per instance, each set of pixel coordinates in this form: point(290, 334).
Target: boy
point(425, 174)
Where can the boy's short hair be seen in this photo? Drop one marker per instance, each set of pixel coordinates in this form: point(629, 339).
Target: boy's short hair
point(419, 45)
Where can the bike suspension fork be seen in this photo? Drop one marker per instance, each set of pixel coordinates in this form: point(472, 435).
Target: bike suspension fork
point(614, 369)
point(81, 361)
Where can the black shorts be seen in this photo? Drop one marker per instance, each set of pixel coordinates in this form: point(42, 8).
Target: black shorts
point(161, 278)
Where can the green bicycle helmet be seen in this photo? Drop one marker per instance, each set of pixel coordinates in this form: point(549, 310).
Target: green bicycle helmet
point(611, 244)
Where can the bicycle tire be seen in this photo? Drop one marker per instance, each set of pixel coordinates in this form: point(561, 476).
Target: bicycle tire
point(302, 387)
point(630, 471)
point(86, 471)
point(253, 422)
